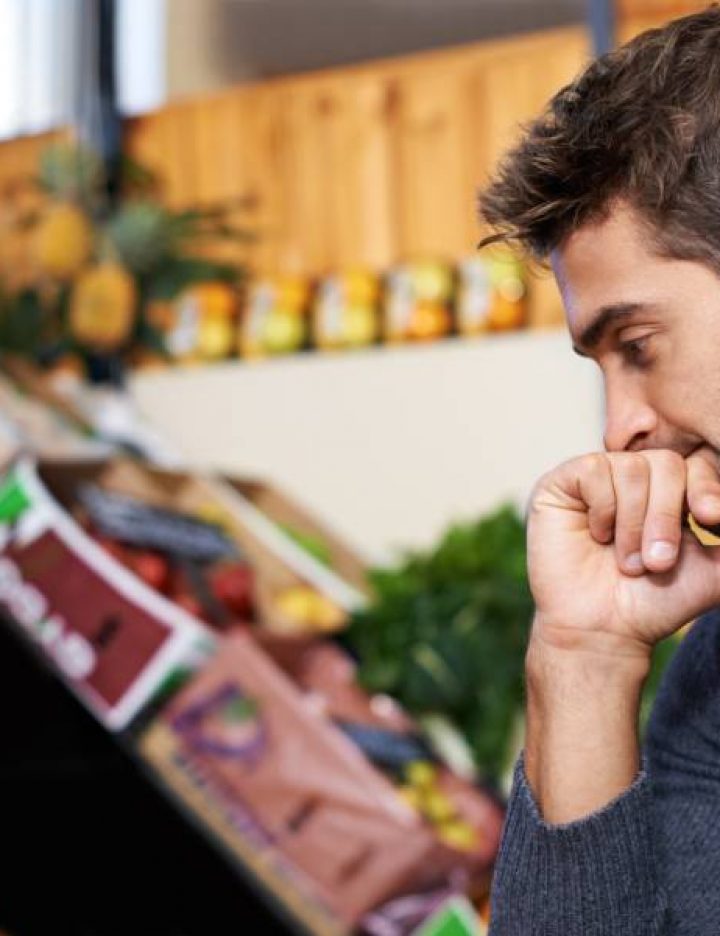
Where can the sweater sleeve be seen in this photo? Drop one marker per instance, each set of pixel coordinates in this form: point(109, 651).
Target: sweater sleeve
point(593, 877)
point(648, 863)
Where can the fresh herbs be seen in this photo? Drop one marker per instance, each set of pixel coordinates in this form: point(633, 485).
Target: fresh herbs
point(447, 631)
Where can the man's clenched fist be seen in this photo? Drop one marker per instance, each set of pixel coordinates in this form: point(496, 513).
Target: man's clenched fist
point(612, 568)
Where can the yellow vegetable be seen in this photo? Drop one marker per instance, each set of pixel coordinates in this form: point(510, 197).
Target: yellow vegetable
point(102, 307)
point(302, 608)
point(215, 336)
point(214, 298)
point(420, 773)
point(63, 241)
point(361, 288)
point(437, 807)
point(291, 293)
point(360, 325)
point(283, 331)
point(458, 834)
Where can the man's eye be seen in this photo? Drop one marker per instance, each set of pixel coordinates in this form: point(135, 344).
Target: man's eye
point(635, 352)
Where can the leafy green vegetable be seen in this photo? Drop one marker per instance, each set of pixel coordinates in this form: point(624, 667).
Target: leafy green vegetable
point(662, 655)
point(312, 544)
point(447, 632)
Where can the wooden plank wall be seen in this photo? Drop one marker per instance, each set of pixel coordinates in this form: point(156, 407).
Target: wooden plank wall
point(367, 164)
point(635, 16)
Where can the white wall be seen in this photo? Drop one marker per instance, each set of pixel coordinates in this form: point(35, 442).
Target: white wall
point(389, 445)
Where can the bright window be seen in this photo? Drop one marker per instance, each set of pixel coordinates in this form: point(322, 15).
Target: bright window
point(46, 78)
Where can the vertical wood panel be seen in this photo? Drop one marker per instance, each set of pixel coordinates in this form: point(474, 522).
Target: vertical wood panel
point(163, 142)
point(19, 158)
point(265, 134)
point(660, 9)
point(635, 16)
point(357, 191)
point(433, 141)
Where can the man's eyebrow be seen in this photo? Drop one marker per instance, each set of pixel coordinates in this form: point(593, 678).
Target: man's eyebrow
point(593, 334)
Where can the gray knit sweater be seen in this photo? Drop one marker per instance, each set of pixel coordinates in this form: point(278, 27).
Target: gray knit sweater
point(648, 863)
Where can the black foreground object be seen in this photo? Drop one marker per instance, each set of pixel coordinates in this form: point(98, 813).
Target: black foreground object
point(89, 847)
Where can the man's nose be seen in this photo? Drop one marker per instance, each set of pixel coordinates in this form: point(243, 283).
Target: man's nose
point(630, 421)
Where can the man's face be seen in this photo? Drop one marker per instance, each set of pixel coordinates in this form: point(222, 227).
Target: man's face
point(653, 326)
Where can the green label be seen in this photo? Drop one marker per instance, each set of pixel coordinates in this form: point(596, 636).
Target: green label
point(455, 918)
point(14, 499)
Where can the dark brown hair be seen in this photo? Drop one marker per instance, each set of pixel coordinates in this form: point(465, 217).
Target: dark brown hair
point(640, 124)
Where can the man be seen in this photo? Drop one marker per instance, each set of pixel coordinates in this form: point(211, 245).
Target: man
point(618, 184)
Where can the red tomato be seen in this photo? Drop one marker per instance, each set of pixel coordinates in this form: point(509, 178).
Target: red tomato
point(113, 548)
point(233, 586)
point(190, 604)
point(153, 569)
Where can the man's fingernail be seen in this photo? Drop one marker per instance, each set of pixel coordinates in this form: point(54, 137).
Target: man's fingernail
point(634, 563)
point(662, 550)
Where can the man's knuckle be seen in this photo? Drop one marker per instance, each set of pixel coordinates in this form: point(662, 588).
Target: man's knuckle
point(594, 465)
point(631, 467)
point(668, 461)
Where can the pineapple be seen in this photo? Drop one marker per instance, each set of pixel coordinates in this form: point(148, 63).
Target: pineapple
point(63, 241)
point(102, 307)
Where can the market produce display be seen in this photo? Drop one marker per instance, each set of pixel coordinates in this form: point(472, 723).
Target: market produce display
point(265, 743)
point(418, 302)
point(342, 742)
point(81, 277)
point(26, 423)
point(90, 287)
point(345, 311)
point(101, 559)
point(446, 633)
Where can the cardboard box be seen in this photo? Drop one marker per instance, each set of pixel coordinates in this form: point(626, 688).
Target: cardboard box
point(277, 561)
point(143, 636)
point(256, 756)
point(284, 510)
point(115, 641)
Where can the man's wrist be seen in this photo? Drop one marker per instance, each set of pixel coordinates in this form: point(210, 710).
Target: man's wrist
point(601, 654)
point(581, 745)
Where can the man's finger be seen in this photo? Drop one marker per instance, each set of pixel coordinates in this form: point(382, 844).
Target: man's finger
point(596, 489)
point(664, 515)
point(631, 480)
point(703, 487)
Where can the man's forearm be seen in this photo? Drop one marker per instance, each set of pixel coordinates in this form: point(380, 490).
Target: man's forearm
point(582, 734)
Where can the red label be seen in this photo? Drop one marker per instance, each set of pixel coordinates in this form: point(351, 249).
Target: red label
point(99, 639)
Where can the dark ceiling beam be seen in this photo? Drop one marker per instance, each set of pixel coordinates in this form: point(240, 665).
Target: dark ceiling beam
point(601, 14)
point(110, 142)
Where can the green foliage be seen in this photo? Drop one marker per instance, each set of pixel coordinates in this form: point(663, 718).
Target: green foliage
point(68, 171)
point(312, 544)
point(140, 235)
point(155, 243)
point(22, 320)
point(447, 631)
point(662, 655)
point(178, 273)
point(165, 251)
